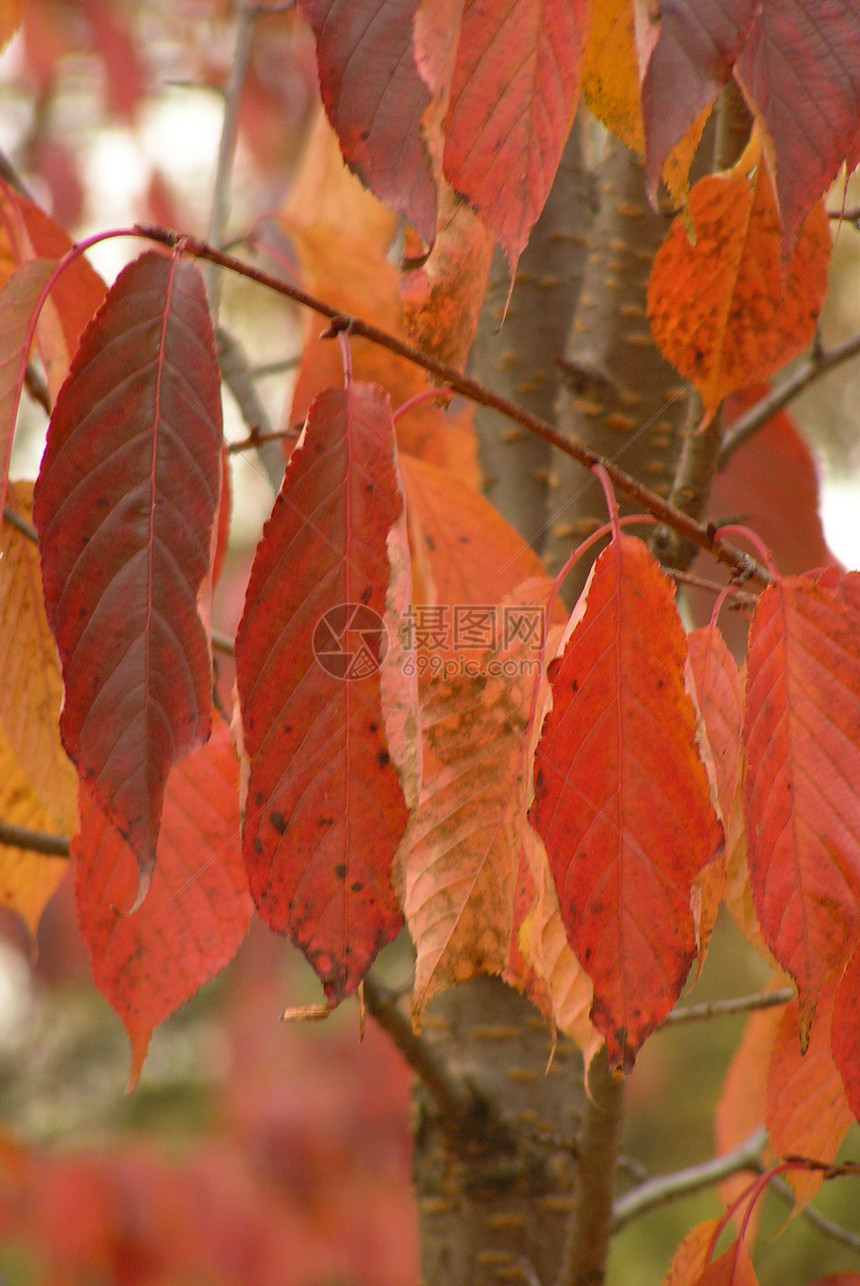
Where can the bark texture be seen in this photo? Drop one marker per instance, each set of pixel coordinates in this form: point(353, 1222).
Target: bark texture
point(496, 1187)
point(619, 397)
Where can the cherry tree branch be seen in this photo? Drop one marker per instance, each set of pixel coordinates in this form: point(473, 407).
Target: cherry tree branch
point(733, 1005)
point(682, 1183)
point(591, 1224)
point(219, 212)
point(35, 841)
point(452, 1095)
point(699, 534)
point(820, 362)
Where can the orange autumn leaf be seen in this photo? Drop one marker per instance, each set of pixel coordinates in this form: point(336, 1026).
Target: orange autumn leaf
point(472, 555)
point(442, 296)
point(741, 1106)
point(689, 1260)
point(458, 865)
point(719, 306)
point(610, 77)
point(807, 1111)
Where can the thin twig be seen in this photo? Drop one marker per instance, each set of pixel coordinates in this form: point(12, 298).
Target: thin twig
point(35, 841)
point(238, 377)
point(222, 643)
point(451, 1095)
point(739, 598)
point(819, 363)
point(37, 388)
point(255, 439)
point(219, 213)
point(681, 1183)
point(700, 535)
point(733, 1005)
point(286, 364)
point(825, 1226)
point(21, 523)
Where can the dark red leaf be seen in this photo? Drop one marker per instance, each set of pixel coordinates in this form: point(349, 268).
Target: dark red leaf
point(125, 505)
point(621, 796)
point(692, 59)
point(513, 97)
point(375, 99)
point(800, 69)
point(325, 809)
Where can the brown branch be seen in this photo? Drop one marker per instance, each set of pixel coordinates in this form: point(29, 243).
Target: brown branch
point(592, 1221)
point(452, 1095)
point(733, 1005)
point(35, 841)
point(700, 535)
point(820, 362)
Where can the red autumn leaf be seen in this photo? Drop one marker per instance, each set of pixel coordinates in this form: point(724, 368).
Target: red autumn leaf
point(696, 47)
point(459, 861)
point(721, 309)
point(325, 810)
point(620, 737)
point(198, 909)
point(802, 740)
point(125, 506)
point(375, 99)
point(513, 98)
point(18, 298)
point(75, 296)
point(845, 1032)
point(807, 1112)
point(717, 685)
point(800, 70)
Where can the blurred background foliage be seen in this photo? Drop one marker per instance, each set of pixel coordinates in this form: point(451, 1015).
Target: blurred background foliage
point(256, 1152)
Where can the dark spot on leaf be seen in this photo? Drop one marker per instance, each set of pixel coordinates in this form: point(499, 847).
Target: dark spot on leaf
point(278, 821)
point(383, 758)
point(356, 886)
point(431, 543)
point(366, 594)
point(258, 846)
point(340, 871)
point(370, 486)
point(325, 821)
point(463, 540)
point(258, 798)
point(372, 727)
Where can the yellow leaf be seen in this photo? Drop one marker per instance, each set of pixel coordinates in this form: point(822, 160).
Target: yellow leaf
point(30, 685)
point(27, 879)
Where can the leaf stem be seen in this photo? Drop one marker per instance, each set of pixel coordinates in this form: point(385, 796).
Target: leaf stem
point(700, 535)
